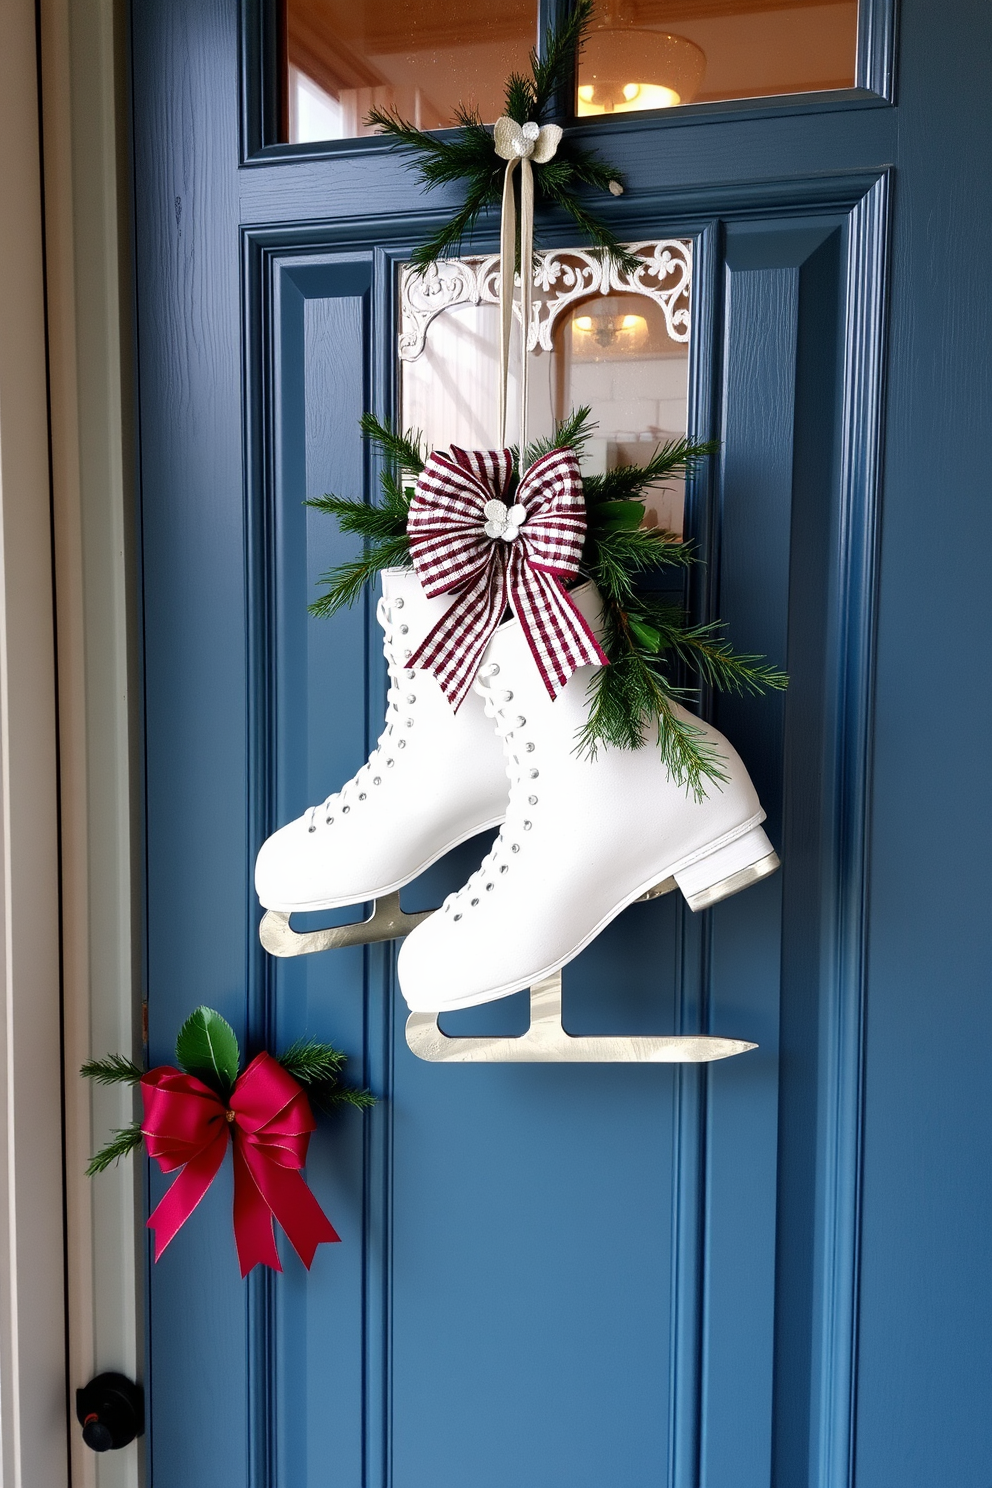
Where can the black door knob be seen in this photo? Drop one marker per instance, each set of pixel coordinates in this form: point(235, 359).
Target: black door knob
point(111, 1411)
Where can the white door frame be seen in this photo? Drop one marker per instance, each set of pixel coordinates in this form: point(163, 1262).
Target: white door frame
point(69, 1253)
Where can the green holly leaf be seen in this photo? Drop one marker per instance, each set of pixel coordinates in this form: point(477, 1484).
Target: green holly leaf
point(207, 1048)
point(645, 634)
point(619, 515)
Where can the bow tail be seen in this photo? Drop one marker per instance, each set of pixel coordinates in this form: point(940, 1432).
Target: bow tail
point(175, 1208)
point(453, 649)
point(265, 1190)
point(558, 634)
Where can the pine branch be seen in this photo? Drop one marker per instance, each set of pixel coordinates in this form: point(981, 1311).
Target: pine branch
point(632, 695)
point(114, 1070)
point(330, 1098)
point(123, 1141)
point(313, 1063)
point(318, 1068)
point(562, 45)
point(572, 432)
point(592, 171)
point(602, 236)
point(346, 582)
point(613, 559)
point(626, 482)
point(518, 99)
point(376, 523)
point(405, 450)
point(706, 652)
point(449, 237)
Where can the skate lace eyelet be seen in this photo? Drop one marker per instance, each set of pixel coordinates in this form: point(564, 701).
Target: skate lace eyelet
point(514, 846)
point(474, 903)
point(410, 674)
point(531, 800)
point(503, 867)
point(411, 697)
point(404, 630)
point(508, 697)
point(533, 774)
point(529, 748)
point(519, 722)
point(328, 821)
point(362, 796)
point(492, 670)
point(527, 826)
point(389, 764)
point(397, 604)
point(378, 781)
point(345, 810)
point(489, 888)
point(312, 829)
point(400, 744)
point(407, 655)
point(457, 916)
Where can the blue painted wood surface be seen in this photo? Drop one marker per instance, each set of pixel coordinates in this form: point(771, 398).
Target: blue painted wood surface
point(774, 1273)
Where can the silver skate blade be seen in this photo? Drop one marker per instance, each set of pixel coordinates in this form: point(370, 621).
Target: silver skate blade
point(546, 1041)
point(386, 922)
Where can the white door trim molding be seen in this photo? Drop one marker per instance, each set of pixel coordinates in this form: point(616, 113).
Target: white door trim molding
point(83, 70)
point(32, 1290)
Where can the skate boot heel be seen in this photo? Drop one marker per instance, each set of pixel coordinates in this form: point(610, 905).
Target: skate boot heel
point(727, 870)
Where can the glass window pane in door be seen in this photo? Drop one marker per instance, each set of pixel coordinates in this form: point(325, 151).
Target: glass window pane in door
point(649, 54)
point(620, 347)
point(422, 58)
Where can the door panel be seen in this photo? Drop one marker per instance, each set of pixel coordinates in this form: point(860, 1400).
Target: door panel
point(551, 1277)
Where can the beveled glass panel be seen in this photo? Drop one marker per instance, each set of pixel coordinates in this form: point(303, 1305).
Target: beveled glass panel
point(422, 58)
point(617, 344)
point(649, 54)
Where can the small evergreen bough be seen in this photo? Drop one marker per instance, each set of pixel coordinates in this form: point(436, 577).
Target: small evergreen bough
point(208, 1048)
point(649, 642)
point(470, 155)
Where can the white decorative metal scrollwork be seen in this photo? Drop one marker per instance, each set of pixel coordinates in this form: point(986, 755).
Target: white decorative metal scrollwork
point(562, 276)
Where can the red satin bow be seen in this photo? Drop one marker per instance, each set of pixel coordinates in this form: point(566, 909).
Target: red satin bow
point(269, 1120)
point(453, 549)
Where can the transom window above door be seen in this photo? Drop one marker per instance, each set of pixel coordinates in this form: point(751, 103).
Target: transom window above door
point(424, 58)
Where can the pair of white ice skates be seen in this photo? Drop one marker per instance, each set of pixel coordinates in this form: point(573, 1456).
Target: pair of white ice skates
point(579, 839)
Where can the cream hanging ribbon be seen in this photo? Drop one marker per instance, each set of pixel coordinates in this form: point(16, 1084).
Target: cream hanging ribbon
point(525, 145)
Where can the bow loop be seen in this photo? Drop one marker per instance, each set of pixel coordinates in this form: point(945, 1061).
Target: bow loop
point(186, 1125)
point(530, 141)
point(466, 537)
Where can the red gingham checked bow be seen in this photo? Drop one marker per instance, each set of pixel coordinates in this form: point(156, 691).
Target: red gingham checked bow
point(463, 537)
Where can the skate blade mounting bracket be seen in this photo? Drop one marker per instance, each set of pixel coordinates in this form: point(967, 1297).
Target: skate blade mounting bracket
point(386, 922)
point(546, 1041)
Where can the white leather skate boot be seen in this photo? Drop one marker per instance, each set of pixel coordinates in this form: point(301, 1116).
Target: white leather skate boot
point(582, 839)
point(435, 778)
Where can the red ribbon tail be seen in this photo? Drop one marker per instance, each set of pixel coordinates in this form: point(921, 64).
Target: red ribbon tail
point(253, 1233)
point(284, 1192)
point(176, 1206)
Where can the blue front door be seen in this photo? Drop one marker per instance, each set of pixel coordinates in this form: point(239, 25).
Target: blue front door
point(771, 1272)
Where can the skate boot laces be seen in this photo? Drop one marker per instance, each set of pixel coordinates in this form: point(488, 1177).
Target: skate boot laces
point(522, 774)
point(401, 699)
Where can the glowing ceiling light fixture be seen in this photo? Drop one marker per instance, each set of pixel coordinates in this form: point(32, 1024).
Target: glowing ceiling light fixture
point(625, 68)
point(609, 329)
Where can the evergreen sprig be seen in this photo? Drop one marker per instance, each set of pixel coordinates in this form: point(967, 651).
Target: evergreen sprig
point(114, 1070)
point(469, 154)
point(123, 1142)
point(383, 526)
point(318, 1068)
